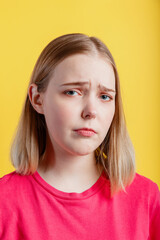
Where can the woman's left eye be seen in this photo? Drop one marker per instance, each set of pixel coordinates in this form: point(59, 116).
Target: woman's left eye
point(106, 97)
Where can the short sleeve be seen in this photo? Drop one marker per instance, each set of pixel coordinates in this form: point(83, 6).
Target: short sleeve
point(155, 214)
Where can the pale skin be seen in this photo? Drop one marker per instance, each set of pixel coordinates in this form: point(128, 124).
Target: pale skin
point(69, 161)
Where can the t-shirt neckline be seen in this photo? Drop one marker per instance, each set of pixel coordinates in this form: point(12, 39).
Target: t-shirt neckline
point(97, 186)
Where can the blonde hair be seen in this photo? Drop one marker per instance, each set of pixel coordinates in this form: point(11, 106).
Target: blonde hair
point(115, 154)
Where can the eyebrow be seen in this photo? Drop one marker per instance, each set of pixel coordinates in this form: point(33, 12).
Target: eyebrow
point(84, 83)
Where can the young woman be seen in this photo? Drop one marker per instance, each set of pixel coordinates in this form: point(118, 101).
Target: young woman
point(75, 174)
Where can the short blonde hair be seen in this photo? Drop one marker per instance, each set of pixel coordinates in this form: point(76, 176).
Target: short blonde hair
point(115, 154)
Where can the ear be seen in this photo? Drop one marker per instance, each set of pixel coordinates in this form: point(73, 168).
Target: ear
point(35, 98)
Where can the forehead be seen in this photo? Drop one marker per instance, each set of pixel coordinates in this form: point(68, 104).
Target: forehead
point(82, 67)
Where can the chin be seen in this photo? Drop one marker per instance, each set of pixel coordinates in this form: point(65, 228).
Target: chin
point(82, 148)
point(83, 153)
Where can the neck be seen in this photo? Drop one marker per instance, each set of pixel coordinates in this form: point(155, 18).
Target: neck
point(58, 167)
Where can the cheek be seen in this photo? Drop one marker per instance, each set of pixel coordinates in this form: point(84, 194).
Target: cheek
point(108, 116)
point(58, 115)
point(64, 115)
point(112, 112)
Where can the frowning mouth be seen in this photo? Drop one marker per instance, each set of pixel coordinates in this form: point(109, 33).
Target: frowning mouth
point(85, 132)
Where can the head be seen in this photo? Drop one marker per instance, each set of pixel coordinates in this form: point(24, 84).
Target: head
point(75, 58)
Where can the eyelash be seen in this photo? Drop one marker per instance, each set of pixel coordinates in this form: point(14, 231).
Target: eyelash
point(76, 92)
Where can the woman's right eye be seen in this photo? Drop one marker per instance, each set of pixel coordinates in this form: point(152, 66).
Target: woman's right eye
point(71, 91)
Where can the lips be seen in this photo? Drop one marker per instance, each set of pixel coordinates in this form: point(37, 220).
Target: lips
point(85, 132)
point(86, 129)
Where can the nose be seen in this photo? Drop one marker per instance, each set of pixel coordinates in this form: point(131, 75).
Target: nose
point(89, 111)
point(89, 115)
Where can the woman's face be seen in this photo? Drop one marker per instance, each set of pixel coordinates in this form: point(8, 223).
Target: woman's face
point(80, 94)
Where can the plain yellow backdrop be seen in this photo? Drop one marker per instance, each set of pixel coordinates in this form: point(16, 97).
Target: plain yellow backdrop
point(131, 31)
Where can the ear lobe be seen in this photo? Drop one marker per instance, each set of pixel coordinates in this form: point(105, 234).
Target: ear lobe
point(35, 98)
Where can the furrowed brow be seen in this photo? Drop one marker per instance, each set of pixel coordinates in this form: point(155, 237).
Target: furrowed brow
point(103, 88)
point(75, 83)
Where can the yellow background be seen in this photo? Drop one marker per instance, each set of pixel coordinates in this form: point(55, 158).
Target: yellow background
point(131, 31)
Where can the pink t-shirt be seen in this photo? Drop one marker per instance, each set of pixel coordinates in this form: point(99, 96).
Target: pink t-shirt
point(30, 209)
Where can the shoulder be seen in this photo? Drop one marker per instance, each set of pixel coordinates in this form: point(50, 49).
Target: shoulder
point(144, 190)
point(12, 178)
point(13, 185)
point(9, 180)
point(150, 192)
point(7, 176)
point(145, 184)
